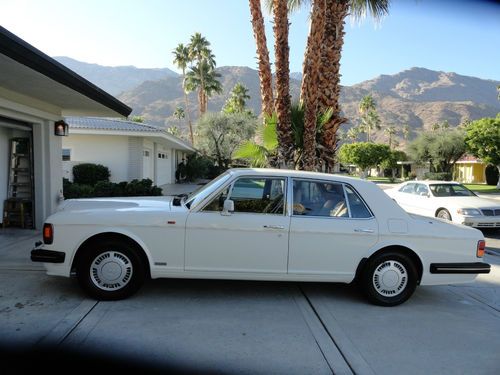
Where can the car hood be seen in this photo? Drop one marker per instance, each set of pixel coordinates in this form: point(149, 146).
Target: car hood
point(469, 202)
point(129, 203)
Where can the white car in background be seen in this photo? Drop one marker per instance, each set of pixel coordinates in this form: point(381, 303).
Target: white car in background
point(447, 200)
point(259, 224)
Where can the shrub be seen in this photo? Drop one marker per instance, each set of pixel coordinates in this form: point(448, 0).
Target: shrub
point(199, 166)
point(491, 174)
point(440, 176)
point(109, 189)
point(90, 174)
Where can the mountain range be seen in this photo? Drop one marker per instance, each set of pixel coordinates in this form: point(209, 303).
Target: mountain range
point(418, 97)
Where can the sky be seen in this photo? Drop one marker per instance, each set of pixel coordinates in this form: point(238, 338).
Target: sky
point(449, 35)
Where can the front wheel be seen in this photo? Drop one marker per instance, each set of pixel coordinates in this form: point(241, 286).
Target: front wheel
point(389, 279)
point(444, 214)
point(110, 270)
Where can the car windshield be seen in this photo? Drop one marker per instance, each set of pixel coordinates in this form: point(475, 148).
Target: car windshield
point(450, 190)
point(190, 198)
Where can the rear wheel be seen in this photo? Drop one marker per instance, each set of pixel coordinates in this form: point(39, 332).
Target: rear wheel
point(444, 214)
point(389, 279)
point(111, 270)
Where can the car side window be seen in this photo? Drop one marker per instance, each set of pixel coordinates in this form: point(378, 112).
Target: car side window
point(408, 188)
point(259, 195)
point(421, 189)
point(357, 207)
point(217, 203)
point(313, 198)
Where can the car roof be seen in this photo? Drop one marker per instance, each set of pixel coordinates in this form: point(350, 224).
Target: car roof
point(297, 174)
point(430, 182)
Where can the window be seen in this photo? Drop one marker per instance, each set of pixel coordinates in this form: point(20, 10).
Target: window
point(146, 154)
point(162, 155)
point(66, 154)
point(312, 198)
point(357, 207)
point(450, 190)
point(408, 188)
point(422, 190)
point(253, 195)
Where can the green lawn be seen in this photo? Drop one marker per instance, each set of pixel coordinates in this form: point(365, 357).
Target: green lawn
point(482, 188)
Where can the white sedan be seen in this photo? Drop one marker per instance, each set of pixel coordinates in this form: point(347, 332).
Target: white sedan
point(259, 224)
point(447, 200)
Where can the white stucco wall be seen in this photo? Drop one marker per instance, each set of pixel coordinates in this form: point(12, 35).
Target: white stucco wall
point(111, 151)
point(4, 161)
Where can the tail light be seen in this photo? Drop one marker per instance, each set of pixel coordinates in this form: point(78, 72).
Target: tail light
point(48, 233)
point(480, 248)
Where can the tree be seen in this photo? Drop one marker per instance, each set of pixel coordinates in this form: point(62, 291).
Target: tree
point(219, 134)
point(363, 154)
point(441, 148)
point(138, 119)
point(282, 101)
point(265, 77)
point(353, 133)
point(391, 131)
point(202, 75)
point(370, 119)
point(174, 130)
point(406, 132)
point(236, 102)
point(483, 140)
point(179, 113)
point(182, 59)
point(261, 152)
point(391, 162)
point(204, 79)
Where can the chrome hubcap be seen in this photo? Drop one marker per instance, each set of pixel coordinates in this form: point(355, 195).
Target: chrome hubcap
point(390, 278)
point(111, 271)
point(444, 215)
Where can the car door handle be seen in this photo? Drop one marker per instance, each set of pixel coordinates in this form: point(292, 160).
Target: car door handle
point(358, 230)
point(274, 227)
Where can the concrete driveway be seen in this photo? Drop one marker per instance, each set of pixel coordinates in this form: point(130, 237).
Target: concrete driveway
point(245, 327)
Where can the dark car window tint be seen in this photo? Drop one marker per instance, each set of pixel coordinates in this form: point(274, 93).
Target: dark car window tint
point(311, 198)
point(356, 205)
point(259, 195)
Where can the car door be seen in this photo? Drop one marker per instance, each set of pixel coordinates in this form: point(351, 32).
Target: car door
point(404, 196)
point(422, 200)
point(253, 238)
point(331, 228)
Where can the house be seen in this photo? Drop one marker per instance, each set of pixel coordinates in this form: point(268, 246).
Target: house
point(471, 170)
point(36, 93)
point(130, 150)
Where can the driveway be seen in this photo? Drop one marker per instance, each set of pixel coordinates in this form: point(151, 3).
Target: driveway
point(244, 327)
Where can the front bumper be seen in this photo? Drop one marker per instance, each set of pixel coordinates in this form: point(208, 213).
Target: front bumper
point(480, 221)
point(47, 256)
point(467, 268)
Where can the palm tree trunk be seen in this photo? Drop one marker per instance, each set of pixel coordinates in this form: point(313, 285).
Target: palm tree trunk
point(310, 92)
point(282, 101)
point(186, 103)
point(329, 79)
point(200, 102)
point(265, 77)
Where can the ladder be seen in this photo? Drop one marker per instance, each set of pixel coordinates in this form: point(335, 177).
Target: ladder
point(18, 207)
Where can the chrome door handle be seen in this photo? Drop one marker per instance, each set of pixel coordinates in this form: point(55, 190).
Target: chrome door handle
point(358, 230)
point(274, 227)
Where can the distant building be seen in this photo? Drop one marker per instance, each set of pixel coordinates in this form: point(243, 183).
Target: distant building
point(130, 150)
point(471, 170)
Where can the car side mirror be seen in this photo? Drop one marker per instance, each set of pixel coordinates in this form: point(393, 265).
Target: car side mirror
point(228, 207)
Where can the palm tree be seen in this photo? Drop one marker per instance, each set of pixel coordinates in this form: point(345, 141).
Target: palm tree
point(182, 59)
point(264, 152)
point(369, 116)
point(237, 99)
point(201, 54)
point(353, 133)
point(309, 90)
point(391, 132)
point(204, 79)
point(282, 101)
point(498, 90)
point(265, 77)
point(174, 130)
point(179, 113)
point(406, 132)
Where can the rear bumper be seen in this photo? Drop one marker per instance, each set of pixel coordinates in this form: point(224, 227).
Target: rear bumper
point(467, 268)
point(47, 256)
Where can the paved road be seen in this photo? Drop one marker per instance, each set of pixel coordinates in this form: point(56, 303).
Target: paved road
point(251, 327)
